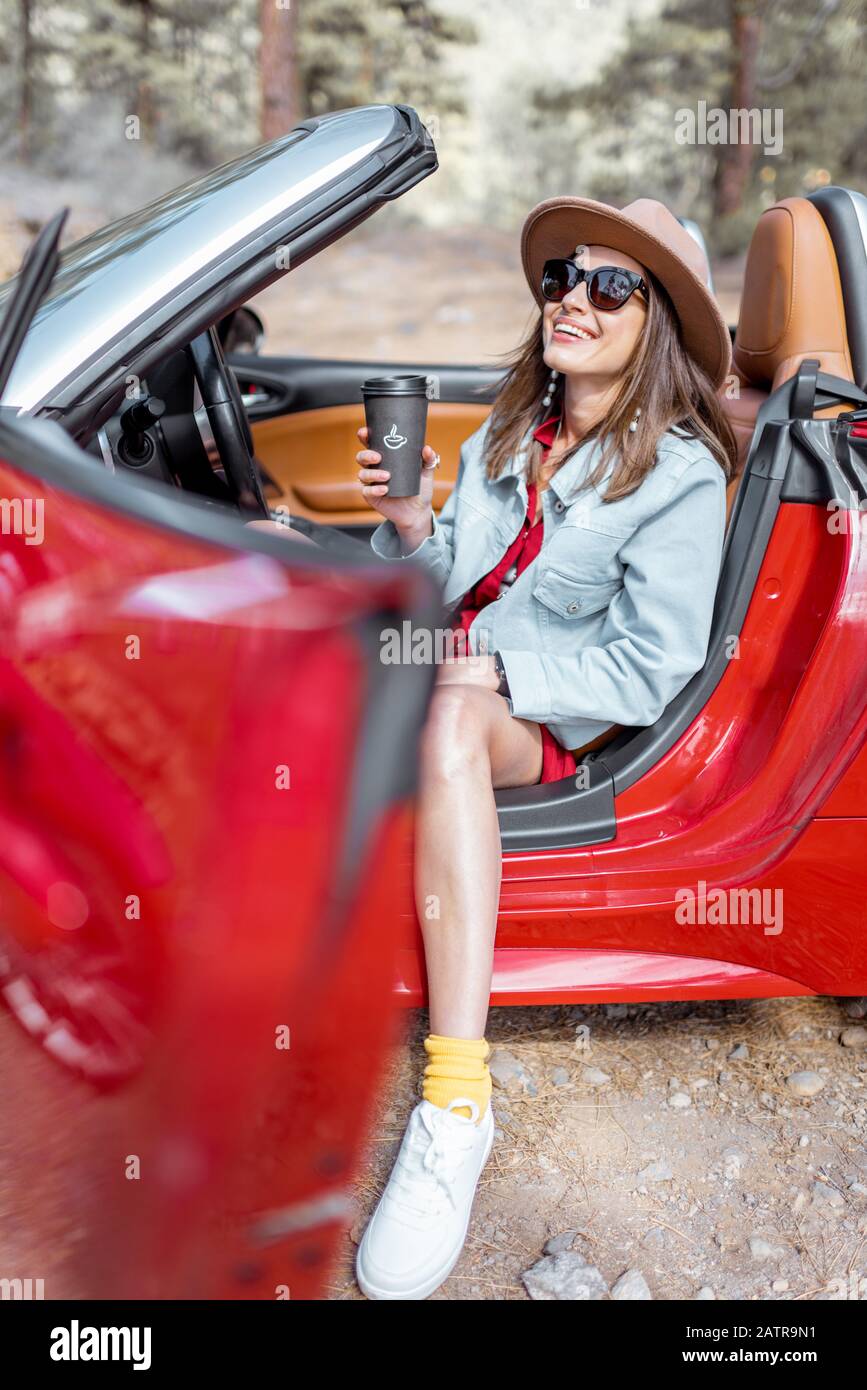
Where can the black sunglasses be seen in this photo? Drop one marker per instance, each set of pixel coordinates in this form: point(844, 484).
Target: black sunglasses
point(608, 286)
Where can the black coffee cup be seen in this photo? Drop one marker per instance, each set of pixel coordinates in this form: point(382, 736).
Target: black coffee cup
point(395, 409)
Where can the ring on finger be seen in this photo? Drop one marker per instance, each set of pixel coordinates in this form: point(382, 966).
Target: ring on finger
point(435, 464)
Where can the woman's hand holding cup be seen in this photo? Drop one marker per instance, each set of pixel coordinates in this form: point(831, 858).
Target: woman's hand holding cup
point(411, 515)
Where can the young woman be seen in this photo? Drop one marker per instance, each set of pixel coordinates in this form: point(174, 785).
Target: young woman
point(581, 547)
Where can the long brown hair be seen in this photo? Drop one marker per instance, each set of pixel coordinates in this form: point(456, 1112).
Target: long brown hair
point(660, 377)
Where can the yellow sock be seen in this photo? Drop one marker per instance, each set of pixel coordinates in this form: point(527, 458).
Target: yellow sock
point(457, 1067)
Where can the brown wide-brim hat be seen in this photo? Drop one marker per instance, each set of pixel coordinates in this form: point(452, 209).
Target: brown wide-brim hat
point(648, 232)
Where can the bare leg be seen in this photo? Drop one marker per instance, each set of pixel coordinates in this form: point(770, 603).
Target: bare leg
point(471, 744)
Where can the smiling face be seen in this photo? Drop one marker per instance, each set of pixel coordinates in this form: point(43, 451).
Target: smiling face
point(580, 341)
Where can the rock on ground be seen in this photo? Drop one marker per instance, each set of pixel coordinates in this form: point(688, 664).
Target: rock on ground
point(565, 1277)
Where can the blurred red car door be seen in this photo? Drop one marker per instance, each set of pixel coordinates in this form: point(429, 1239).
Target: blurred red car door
point(204, 773)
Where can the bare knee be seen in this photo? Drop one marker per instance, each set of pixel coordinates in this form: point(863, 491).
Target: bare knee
point(456, 737)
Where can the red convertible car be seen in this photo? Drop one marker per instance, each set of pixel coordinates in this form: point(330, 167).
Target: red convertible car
point(206, 770)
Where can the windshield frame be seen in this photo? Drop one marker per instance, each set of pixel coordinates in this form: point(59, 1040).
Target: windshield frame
point(147, 284)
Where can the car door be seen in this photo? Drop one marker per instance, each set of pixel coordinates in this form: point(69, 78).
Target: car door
point(204, 781)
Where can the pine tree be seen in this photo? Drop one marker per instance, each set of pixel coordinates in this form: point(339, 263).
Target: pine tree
point(803, 63)
point(185, 71)
point(356, 51)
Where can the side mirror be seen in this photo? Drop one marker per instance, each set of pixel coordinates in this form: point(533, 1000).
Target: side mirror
point(245, 331)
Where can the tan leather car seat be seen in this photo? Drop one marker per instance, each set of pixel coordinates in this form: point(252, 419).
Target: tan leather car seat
point(791, 309)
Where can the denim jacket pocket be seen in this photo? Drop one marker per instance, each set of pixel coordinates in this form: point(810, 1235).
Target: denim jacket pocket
point(585, 553)
point(573, 598)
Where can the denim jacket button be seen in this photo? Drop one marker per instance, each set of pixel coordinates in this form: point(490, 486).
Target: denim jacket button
point(559, 506)
point(573, 606)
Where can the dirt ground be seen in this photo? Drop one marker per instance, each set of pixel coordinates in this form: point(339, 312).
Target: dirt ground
point(693, 1163)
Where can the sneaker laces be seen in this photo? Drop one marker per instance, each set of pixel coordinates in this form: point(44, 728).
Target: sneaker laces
point(440, 1148)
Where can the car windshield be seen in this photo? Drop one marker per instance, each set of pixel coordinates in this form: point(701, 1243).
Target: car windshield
point(122, 274)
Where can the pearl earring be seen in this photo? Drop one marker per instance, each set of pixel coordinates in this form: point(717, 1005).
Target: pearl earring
point(549, 390)
point(633, 424)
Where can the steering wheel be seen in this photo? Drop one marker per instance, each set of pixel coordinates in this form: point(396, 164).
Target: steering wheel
point(234, 441)
point(229, 424)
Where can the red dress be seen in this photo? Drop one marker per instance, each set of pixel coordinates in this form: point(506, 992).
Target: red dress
point(557, 761)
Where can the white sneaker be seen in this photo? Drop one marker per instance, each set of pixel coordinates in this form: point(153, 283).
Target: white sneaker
point(413, 1240)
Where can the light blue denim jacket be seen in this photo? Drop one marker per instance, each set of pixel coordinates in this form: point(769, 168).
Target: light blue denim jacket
point(612, 618)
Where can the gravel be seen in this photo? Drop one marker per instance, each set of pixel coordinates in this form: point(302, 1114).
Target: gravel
point(750, 1188)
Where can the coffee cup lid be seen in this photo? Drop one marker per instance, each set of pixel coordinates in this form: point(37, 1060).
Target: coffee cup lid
point(405, 384)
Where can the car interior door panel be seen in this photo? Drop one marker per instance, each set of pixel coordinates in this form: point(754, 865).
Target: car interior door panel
point(305, 414)
point(329, 491)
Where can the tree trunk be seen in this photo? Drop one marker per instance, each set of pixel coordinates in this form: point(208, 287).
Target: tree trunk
point(278, 67)
point(145, 106)
point(735, 162)
point(25, 88)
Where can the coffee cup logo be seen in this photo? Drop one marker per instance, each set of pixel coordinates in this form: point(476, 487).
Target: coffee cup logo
point(393, 440)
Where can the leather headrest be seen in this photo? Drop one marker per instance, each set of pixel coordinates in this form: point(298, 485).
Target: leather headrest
point(792, 305)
